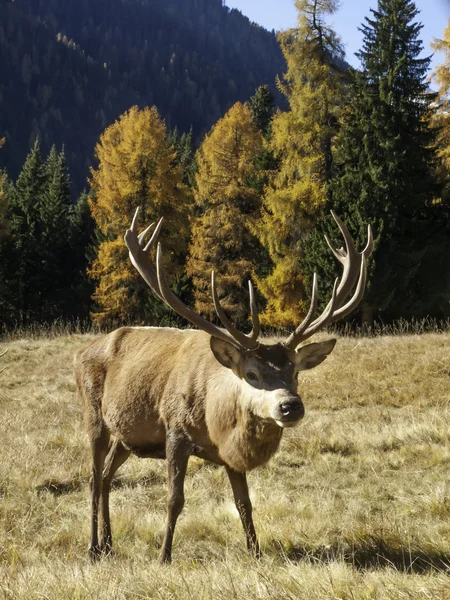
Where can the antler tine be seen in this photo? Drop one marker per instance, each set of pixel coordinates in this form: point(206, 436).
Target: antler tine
point(179, 307)
point(246, 341)
point(254, 312)
point(350, 259)
point(134, 221)
point(142, 235)
point(139, 254)
point(324, 319)
point(291, 342)
point(339, 253)
point(357, 296)
point(369, 246)
point(349, 243)
point(354, 274)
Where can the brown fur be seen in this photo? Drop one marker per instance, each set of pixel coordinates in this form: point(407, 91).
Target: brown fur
point(162, 392)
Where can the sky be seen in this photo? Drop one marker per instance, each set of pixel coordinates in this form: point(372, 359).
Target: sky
point(281, 14)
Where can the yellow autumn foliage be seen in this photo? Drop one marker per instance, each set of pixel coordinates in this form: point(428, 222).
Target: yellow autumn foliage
point(442, 120)
point(135, 168)
point(222, 238)
point(302, 143)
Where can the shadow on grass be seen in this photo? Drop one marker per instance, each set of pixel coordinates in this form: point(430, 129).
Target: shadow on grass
point(373, 552)
point(59, 488)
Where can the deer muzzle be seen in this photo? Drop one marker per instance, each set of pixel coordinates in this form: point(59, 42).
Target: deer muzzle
point(289, 412)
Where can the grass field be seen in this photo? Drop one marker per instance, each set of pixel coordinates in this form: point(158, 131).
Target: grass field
point(356, 504)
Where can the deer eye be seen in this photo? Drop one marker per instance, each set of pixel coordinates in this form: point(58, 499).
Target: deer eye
point(252, 376)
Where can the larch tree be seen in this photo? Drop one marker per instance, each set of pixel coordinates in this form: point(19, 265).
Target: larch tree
point(301, 141)
point(442, 119)
point(136, 168)
point(227, 206)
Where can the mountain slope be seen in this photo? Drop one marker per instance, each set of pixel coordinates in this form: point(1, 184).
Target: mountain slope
point(68, 68)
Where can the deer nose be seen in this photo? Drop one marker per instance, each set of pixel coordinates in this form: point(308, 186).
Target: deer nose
point(293, 409)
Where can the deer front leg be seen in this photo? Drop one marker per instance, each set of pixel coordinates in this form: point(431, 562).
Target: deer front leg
point(177, 453)
point(242, 500)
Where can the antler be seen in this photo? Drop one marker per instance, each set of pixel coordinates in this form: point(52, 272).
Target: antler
point(157, 281)
point(354, 272)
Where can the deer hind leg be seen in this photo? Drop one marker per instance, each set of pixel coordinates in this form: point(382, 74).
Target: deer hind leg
point(117, 455)
point(99, 448)
point(177, 453)
point(242, 500)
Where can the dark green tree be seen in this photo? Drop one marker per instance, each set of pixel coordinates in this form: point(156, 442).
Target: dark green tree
point(262, 105)
point(384, 164)
point(56, 238)
point(25, 256)
point(185, 154)
point(83, 250)
point(41, 253)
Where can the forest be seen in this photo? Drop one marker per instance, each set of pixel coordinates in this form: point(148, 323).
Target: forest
point(244, 141)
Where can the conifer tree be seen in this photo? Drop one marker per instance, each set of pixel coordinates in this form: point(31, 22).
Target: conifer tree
point(438, 253)
point(185, 154)
point(222, 238)
point(137, 167)
point(57, 238)
point(24, 266)
point(5, 292)
point(385, 161)
point(40, 249)
point(262, 106)
point(301, 141)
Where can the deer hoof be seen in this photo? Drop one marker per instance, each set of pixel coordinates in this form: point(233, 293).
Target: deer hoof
point(94, 553)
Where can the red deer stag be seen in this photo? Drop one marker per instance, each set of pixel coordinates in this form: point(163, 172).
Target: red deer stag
point(218, 394)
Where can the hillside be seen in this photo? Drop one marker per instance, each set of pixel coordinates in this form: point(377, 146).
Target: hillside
point(355, 505)
point(69, 68)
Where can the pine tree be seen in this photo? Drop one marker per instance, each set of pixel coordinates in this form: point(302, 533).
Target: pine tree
point(5, 292)
point(83, 251)
point(185, 154)
point(137, 167)
point(222, 238)
point(57, 237)
point(39, 250)
point(385, 159)
point(24, 266)
point(262, 106)
point(301, 142)
point(437, 284)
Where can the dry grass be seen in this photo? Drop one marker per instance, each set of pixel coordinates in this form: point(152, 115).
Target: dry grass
point(355, 506)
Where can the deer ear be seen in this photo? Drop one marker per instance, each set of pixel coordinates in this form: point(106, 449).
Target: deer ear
point(311, 355)
point(225, 352)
